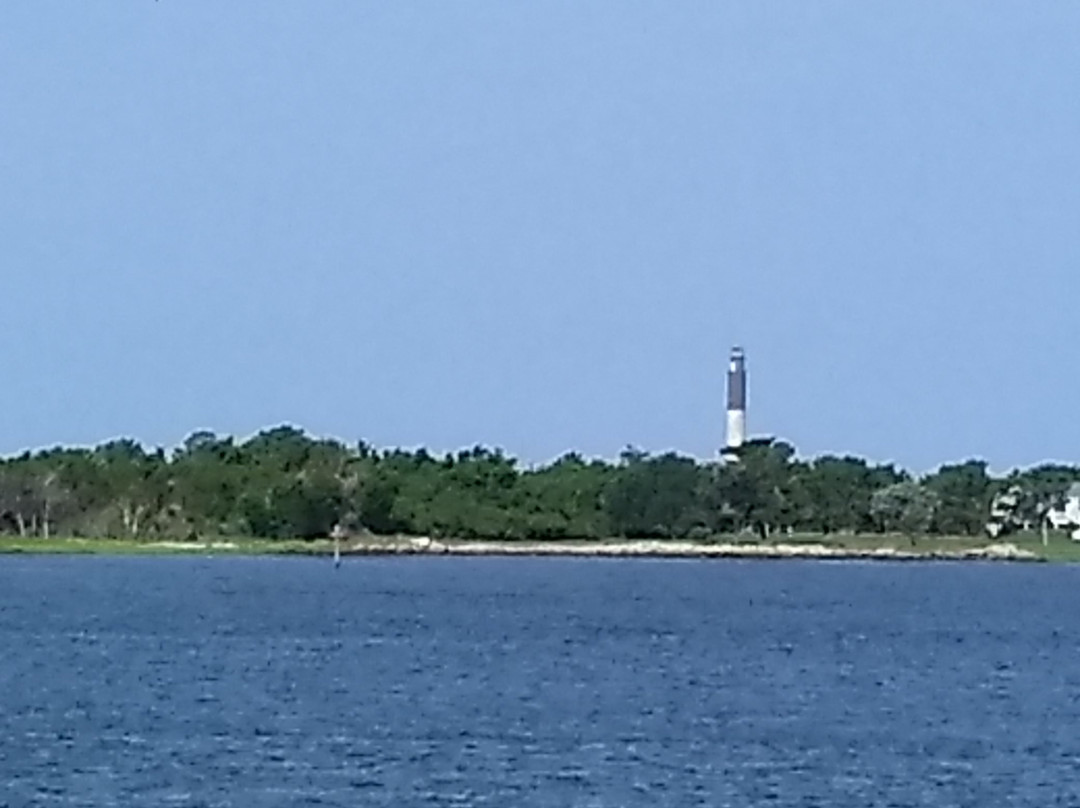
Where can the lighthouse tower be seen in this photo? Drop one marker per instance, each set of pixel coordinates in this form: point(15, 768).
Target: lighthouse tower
point(736, 403)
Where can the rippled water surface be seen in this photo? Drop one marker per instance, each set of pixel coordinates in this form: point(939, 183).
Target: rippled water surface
point(537, 682)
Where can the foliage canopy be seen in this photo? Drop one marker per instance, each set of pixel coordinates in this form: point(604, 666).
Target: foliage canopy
point(283, 483)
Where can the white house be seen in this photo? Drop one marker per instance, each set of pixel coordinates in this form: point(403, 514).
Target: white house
point(1068, 515)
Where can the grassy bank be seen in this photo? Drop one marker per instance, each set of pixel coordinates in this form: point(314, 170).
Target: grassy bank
point(70, 546)
point(1059, 547)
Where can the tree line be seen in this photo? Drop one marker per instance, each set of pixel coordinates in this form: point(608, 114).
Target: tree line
point(283, 483)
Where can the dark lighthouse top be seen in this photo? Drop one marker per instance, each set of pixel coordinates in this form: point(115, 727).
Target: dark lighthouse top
point(736, 381)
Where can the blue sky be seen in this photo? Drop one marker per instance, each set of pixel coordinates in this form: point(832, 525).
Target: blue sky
point(542, 225)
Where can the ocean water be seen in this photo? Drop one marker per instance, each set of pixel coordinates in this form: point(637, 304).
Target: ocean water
point(537, 682)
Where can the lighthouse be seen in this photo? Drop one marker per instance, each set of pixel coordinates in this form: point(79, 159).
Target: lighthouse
point(736, 403)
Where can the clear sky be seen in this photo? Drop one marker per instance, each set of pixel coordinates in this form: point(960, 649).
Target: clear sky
point(541, 226)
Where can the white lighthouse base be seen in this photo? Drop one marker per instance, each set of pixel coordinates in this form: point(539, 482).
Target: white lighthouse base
point(736, 430)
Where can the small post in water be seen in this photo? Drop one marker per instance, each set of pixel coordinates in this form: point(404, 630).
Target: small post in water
point(336, 535)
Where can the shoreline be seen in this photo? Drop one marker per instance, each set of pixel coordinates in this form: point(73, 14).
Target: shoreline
point(632, 548)
point(650, 548)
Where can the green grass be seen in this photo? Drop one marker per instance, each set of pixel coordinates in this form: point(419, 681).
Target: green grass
point(1059, 546)
point(70, 546)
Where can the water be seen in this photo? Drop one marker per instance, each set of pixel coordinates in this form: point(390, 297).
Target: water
point(537, 682)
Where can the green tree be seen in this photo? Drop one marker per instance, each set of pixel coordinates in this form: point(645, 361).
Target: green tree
point(905, 507)
point(655, 496)
point(839, 490)
point(964, 492)
point(761, 491)
point(565, 499)
point(1042, 487)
